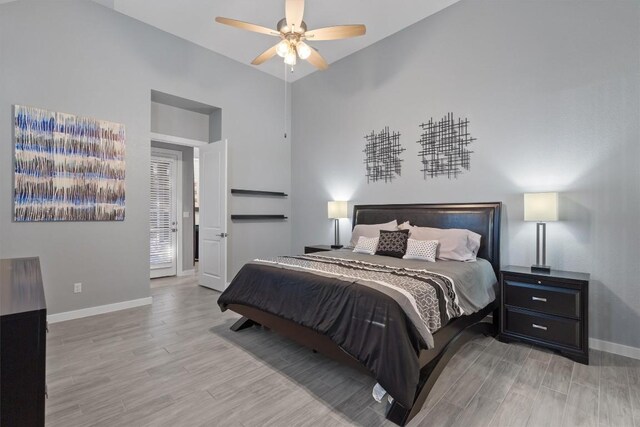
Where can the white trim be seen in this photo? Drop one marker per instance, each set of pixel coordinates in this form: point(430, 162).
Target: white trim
point(170, 139)
point(191, 272)
point(611, 347)
point(101, 309)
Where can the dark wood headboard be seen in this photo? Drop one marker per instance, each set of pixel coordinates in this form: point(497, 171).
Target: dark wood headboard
point(482, 218)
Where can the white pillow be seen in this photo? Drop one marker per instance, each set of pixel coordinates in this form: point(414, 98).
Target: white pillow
point(367, 245)
point(456, 244)
point(424, 250)
point(371, 230)
point(405, 226)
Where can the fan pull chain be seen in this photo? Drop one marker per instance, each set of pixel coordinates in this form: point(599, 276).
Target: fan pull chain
point(285, 101)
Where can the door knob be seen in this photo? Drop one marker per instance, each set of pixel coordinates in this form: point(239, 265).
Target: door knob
point(222, 235)
point(173, 230)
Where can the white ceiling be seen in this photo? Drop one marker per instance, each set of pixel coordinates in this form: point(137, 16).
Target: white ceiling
point(193, 20)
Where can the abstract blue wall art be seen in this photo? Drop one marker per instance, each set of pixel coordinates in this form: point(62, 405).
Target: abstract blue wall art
point(67, 167)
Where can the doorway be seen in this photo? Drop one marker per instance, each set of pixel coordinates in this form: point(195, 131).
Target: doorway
point(188, 232)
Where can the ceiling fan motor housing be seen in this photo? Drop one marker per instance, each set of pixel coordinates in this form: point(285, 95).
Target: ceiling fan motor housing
point(283, 28)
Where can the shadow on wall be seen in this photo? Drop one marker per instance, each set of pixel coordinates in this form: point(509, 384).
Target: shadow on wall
point(504, 233)
point(605, 304)
point(365, 76)
point(576, 216)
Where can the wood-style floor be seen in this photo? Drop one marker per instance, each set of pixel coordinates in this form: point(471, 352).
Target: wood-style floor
point(176, 363)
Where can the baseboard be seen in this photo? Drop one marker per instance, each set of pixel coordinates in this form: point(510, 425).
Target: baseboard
point(191, 272)
point(611, 347)
point(101, 309)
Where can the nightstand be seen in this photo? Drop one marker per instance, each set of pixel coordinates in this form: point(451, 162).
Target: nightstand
point(316, 248)
point(546, 309)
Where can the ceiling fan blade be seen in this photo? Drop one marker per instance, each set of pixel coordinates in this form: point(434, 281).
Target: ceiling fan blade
point(293, 12)
point(246, 26)
point(317, 60)
point(267, 54)
point(337, 32)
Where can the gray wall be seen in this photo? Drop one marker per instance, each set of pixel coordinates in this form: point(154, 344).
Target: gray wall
point(79, 57)
point(552, 93)
point(187, 200)
point(169, 120)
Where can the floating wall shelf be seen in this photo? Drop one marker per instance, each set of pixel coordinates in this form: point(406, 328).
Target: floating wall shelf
point(258, 217)
point(258, 193)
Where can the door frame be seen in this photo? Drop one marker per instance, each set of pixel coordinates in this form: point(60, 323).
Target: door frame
point(187, 142)
point(163, 152)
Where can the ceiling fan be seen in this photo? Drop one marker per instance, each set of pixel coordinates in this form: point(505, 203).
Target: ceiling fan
point(292, 31)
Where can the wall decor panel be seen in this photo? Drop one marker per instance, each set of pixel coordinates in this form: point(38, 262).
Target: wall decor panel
point(382, 155)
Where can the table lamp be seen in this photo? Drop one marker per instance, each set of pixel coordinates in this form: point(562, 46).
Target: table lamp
point(542, 208)
point(337, 210)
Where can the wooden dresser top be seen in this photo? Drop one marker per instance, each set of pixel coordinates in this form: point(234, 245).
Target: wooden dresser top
point(21, 286)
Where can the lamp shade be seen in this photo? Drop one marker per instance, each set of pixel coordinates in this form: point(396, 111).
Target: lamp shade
point(541, 207)
point(337, 210)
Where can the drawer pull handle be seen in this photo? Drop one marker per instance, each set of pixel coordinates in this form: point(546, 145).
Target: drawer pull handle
point(538, 299)
point(544, 328)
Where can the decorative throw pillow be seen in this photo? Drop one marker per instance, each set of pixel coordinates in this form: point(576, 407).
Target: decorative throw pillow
point(366, 245)
point(424, 250)
point(370, 230)
point(393, 243)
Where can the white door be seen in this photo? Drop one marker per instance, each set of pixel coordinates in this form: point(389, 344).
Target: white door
point(213, 216)
point(163, 213)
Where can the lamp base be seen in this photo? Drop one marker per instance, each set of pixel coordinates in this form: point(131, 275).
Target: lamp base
point(336, 246)
point(541, 268)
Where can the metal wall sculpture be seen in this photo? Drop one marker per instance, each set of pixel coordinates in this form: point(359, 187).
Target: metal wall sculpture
point(67, 167)
point(382, 155)
point(444, 147)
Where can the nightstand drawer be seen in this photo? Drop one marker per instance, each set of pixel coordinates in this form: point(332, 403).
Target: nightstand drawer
point(545, 299)
point(552, 329)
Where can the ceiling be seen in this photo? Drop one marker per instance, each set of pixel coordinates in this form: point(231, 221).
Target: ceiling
point(193, 20)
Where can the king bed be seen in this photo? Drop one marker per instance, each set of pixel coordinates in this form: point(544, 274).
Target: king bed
point(399, 320)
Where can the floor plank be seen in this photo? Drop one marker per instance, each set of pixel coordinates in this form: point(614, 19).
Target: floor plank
point(548, 409)
point(615, 405)
point(530, 377)
point(442, 414)
point(558, 376)
point(485, 403)
point(582, 407)
point(514, 411)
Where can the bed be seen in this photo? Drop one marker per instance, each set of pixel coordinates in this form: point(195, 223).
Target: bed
point(333, 303)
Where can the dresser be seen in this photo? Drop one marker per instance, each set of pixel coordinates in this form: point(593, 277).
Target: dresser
point(546, 309)
point(23, 323)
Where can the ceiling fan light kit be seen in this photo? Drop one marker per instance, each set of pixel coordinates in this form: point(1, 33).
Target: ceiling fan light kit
point(293, 32)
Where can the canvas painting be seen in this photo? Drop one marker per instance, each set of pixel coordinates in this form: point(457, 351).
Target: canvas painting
point(67, 167)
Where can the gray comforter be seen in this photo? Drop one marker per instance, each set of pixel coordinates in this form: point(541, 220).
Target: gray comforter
point(380, 310)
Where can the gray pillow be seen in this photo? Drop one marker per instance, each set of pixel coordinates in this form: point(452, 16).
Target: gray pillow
point(370, 230)
point(456, 244)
